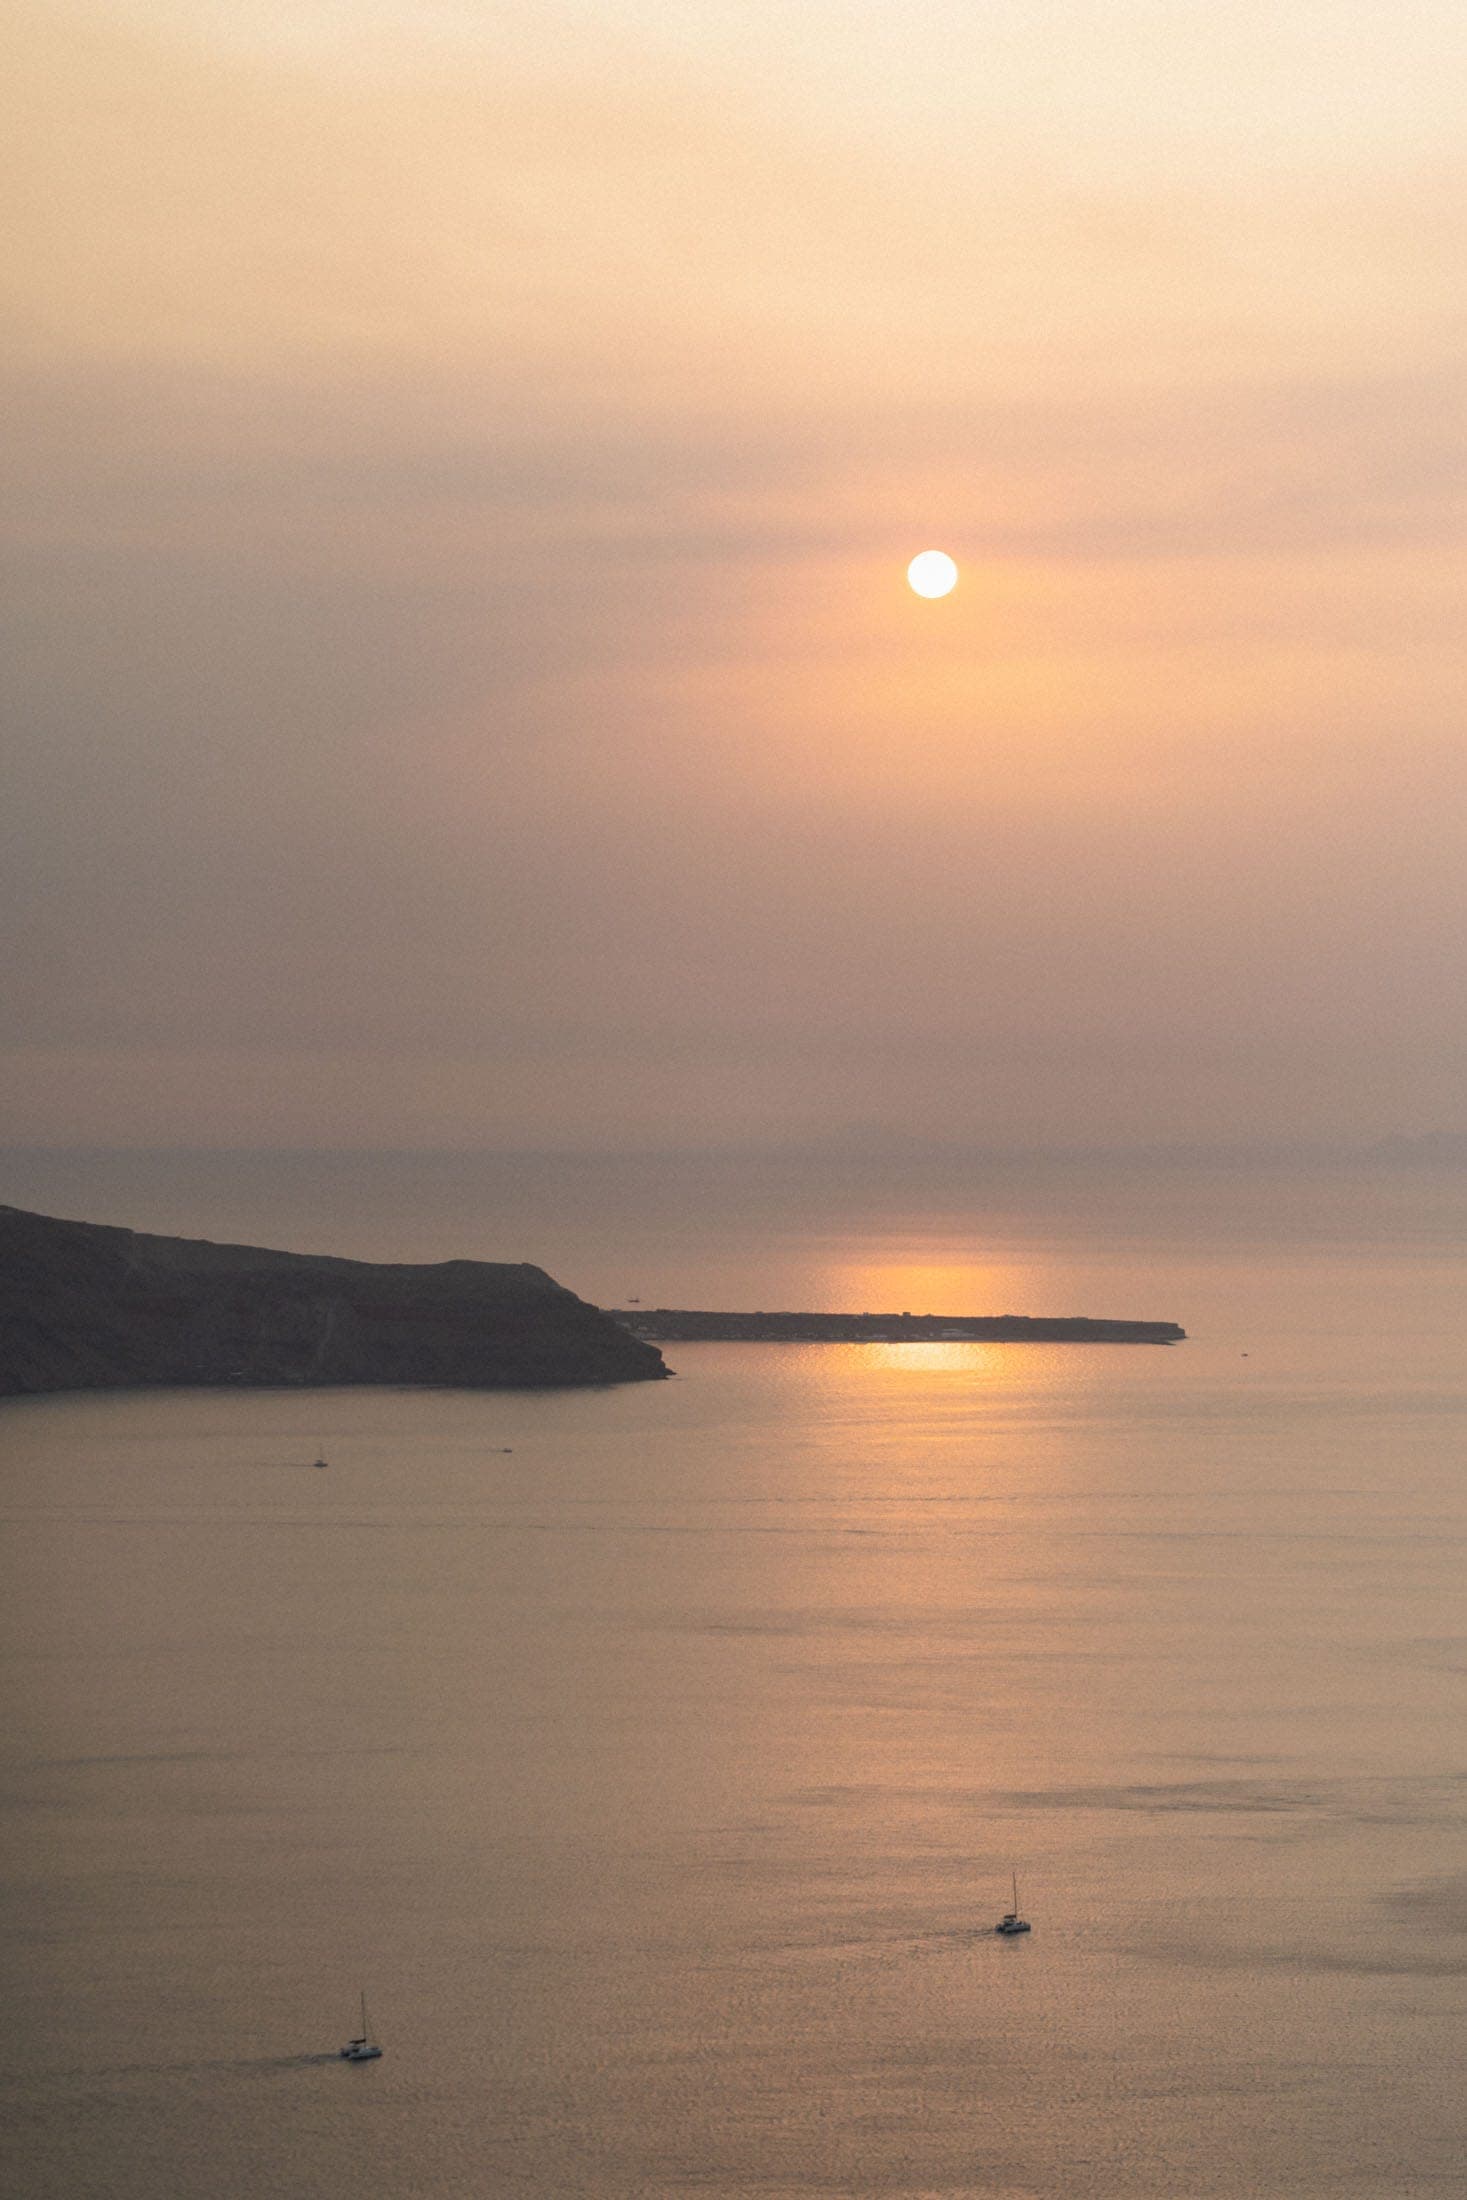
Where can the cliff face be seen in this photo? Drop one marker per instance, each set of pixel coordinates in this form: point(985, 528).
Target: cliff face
point(86, 1307)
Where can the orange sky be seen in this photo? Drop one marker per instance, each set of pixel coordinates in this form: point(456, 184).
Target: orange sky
point(462, 467)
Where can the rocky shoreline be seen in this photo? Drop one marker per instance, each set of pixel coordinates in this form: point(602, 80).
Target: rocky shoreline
point(84, 1306)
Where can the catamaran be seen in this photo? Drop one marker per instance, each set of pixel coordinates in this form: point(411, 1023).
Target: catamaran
point(363, 2048)
point(1011, 1922)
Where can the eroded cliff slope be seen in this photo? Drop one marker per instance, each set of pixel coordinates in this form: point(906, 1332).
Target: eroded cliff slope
point(86, 1307)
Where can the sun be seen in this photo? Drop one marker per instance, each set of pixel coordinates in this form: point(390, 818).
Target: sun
point(932, 573)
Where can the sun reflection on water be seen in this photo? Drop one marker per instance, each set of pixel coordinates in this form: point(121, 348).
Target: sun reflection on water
point(937, 1356)
point(936, 1278)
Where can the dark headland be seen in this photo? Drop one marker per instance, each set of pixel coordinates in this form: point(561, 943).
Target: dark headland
point(87, 1307)
point(670, 1325)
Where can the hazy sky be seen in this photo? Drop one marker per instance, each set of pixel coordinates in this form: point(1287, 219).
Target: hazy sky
point(461, 465)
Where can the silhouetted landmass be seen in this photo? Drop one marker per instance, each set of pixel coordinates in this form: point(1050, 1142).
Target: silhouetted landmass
point(87, 1307)
point(670, 1325)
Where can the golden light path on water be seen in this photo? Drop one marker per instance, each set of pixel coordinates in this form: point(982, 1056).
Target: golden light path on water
point(938, 1356)
point(933, 1279)
point(658, 1760)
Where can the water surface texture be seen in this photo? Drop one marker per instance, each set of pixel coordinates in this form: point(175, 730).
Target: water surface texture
point(657, 1760)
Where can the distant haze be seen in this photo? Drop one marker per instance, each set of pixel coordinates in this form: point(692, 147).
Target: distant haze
point(462, 464)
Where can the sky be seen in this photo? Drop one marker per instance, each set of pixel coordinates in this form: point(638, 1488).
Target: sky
point(461, 466)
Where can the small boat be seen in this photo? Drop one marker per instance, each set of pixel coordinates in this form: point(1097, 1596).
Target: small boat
point(1011, 1922)
point(363, 2048)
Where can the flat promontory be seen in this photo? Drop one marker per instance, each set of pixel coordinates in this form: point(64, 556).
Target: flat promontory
point(87, 1307)
point(670, 1325)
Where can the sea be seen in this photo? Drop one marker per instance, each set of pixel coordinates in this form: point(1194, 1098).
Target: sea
point(657, 1760)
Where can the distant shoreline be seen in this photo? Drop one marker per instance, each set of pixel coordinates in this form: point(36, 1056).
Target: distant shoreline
point(672, 1325)
point(89, 1306)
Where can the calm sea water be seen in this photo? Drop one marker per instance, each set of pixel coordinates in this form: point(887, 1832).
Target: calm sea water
point(657, 1758)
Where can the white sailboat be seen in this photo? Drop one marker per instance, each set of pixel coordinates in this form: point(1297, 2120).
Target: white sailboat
point(1011, 1922)
point(363, 2048)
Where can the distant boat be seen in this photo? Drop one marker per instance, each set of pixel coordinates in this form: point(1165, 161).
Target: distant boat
point(1011, 1922)
point(363, 2048)
point(318, 1462)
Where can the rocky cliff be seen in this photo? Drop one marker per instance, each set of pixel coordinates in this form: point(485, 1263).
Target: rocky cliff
point(86, 1307)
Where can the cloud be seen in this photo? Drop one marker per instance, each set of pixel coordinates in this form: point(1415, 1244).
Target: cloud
point(457, 500)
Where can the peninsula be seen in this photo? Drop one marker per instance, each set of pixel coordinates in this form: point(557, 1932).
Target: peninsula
point(669, 1325)
point(87, 1307)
